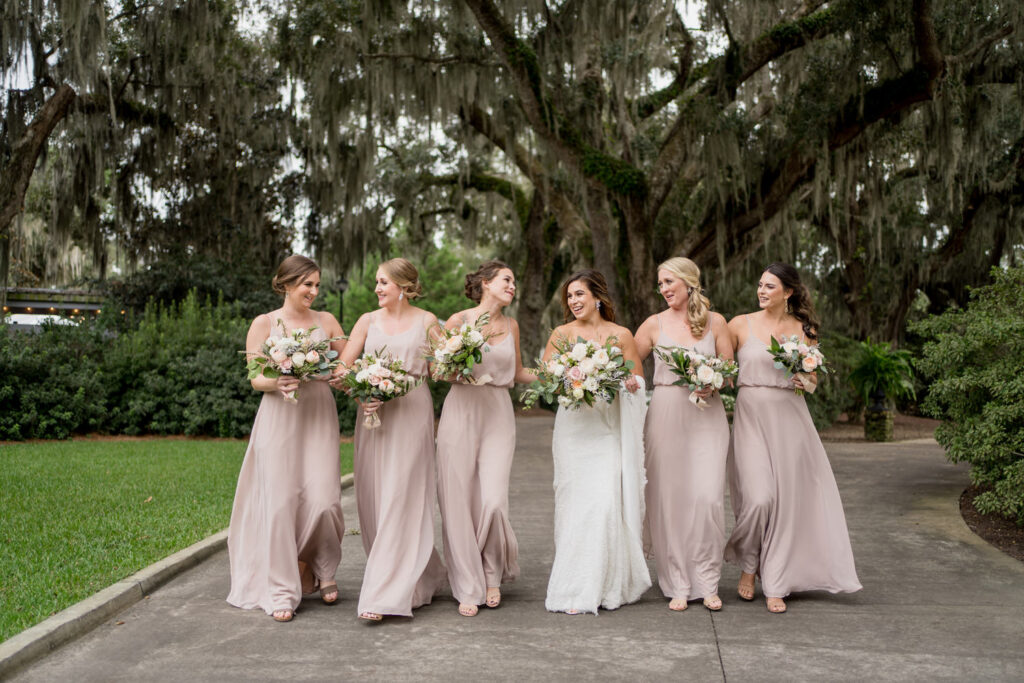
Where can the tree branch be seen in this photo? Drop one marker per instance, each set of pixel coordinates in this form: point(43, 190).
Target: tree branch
point(19, 168)
point(451, 59)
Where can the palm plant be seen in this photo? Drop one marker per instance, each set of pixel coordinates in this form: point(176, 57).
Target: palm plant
point(880, 375)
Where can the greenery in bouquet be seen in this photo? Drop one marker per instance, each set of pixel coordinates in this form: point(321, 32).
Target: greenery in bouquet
point(454, 353)
point(296, 354)
point(378, 376)
point(697, 371)
point(579, 373)
point(796, 357)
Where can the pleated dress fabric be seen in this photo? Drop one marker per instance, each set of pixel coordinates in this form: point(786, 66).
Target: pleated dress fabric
point(790, 525)
point(288, 500)
point(476, 439)
point(394, 483)
point(687, 450)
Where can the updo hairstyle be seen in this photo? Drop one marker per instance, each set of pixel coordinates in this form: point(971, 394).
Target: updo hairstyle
point(698, 307)
point(404, 274)
point(799, 303)
point(292, 271)
point(597, 285)
point(487, 271)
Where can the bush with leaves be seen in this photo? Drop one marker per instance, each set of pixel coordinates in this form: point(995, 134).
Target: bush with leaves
point(51, 383)
point(976, 361)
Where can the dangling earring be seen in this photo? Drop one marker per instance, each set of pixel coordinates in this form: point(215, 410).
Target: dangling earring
point(401, 295)
point(598, 306)
point(788, 309)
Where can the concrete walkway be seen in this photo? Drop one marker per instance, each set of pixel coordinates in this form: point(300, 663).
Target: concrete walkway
point(938, 604)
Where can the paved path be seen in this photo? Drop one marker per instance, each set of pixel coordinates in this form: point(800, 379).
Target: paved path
point(938, 604)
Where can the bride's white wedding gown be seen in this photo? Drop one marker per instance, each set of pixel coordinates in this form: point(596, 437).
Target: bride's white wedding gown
point(599, 506)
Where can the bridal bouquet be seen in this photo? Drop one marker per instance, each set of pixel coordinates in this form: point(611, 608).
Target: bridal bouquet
point(457, 351)
point(797, 358)
point(378, 376)
point(296, 354)
point(697, 371)
point(579, 373)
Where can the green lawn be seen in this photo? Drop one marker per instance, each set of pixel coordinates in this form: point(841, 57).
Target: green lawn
point(77, 516)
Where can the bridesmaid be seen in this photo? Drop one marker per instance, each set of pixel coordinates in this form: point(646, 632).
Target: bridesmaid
point(286, 523)
point(475, 442)
point(686, 447)
point(790, 528)
point(394, 463)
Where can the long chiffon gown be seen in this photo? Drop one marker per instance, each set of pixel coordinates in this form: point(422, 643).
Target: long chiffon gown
point(394, 482)
point(475, 442)
point(790, 525)
point(287, 504)
point(599, 506)
point(686, 455)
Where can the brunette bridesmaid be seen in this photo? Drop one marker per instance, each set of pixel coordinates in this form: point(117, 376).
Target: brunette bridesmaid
point(394, 463)
point(686, 447)
point(286, 523)
point(790, 527)
point(475, 442)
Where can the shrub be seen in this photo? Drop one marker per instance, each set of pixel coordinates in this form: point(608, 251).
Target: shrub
point(880, 371)
point(976, 361)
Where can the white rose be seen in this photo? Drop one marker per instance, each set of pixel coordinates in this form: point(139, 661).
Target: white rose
point(579, 352)
point(440, 355)
point(278, 354)
point(556, 369)
point(601, 358)
point(453, 345)
point(789, 347)
point(588, 366)
point(476, 338)
point(718, 381)
point(362, 376)
point(705, 375)
point(564, 401)
point(577, 393)
point(298, 358)
point(590, 384)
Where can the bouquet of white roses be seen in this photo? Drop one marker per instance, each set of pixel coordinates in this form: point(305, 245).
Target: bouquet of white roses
point(579, 373)
point(378, 376)
point(697, 371)
point(457, 351)
point(797, 358)
point(296, 354)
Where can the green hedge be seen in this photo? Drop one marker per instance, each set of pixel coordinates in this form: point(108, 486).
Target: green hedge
point(177, 372)
point(975, 358)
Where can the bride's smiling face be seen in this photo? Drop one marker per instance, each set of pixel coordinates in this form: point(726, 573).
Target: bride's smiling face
point(580, 299)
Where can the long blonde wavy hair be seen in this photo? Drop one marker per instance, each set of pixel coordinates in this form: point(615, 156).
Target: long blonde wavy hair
point(698, 309)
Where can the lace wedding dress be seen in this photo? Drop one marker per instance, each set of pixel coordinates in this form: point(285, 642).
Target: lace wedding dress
point(599, 506)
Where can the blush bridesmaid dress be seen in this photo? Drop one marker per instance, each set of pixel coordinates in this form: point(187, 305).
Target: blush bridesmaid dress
point(687, 450)
point(287, 505)
point(394, 483)
point(790, 525)
point(475, 442)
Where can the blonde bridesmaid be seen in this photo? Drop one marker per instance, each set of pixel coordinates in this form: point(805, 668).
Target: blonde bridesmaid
point(475, 442)
point(394, 463)
point(790, 527)
point(286, 523)
point(686, 447)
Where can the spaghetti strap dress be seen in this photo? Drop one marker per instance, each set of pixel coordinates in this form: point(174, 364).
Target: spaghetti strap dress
point(790, 525)
point(288, 500)
point(476, 438)
point(687, 450)
point(394, 483)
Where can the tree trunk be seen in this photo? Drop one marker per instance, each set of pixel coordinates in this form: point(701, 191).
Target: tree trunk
point(540, 235)
point(16, 173)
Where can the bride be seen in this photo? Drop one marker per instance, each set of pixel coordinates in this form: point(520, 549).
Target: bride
point(599, 471)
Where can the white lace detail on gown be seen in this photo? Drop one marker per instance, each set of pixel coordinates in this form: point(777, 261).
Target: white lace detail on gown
point(599, 506)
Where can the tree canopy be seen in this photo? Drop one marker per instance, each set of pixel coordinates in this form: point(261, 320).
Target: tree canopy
point(877, 144)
